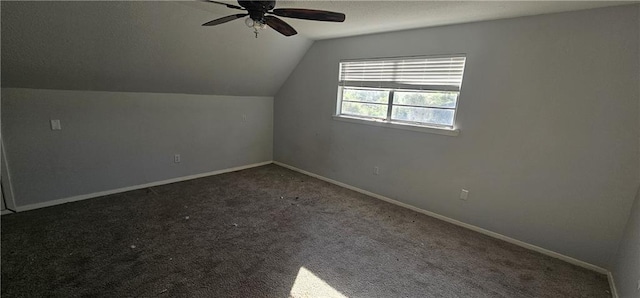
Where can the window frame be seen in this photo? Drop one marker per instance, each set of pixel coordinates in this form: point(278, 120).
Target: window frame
point(401, 124)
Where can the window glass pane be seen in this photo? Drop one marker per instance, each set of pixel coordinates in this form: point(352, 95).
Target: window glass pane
point(423, 115)
point(364, 95)
point(436, 99)
point(364, 109)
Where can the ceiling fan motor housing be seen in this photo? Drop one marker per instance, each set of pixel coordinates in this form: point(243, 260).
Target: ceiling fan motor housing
point(257, 9)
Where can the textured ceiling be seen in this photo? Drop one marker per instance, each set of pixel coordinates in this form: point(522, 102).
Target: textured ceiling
point(366, 17)
point(161, 47)
point(139, 46)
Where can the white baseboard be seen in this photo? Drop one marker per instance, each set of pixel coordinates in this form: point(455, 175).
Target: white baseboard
point(129, 188)
point(457, 222)
point(377, 196)
point(612, 285)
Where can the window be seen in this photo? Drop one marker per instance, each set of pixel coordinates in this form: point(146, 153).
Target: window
point(416, 91)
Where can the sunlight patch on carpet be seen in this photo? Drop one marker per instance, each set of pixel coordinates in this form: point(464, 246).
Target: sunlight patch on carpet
point(309, 285)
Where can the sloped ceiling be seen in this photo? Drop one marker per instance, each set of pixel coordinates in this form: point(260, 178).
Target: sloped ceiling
point(161, 47)
point(366, 17)
point(140, 46)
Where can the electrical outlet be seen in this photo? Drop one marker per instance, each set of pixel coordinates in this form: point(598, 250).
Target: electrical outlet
point(464, 194)
point(244, 118)
point(638, 284)
point(376, 170)
point(176, 158)
point(55, 125)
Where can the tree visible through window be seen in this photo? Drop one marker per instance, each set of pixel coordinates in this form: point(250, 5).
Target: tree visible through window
point(418, 91)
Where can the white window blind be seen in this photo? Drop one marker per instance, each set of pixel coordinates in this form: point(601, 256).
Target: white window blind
point(421, 73)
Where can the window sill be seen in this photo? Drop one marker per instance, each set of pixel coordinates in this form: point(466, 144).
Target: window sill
point(396, 125)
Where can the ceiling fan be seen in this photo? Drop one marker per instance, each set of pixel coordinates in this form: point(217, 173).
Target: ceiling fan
point(262, 14)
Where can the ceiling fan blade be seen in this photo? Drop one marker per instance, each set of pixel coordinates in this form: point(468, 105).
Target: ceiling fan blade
point(280, 26)
point(225, 4)
point(309, 14)
point(224, 19)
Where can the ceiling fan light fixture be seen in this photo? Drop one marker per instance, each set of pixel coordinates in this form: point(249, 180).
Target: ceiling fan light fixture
point(249, 22)
point(255, 25)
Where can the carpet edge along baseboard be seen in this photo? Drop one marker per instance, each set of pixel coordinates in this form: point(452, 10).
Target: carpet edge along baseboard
point(135, 187)
point(526, 245)
point(508, 239)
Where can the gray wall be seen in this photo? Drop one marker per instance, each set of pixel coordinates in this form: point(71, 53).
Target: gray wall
point(549, 121)
point(626, 271)
point(111, 140)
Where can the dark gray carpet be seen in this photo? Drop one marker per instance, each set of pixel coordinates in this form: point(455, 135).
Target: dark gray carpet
point(249, 233)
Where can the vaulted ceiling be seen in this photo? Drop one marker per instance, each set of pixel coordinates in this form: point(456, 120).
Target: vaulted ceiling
point(139, 46)
point(162, 47)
